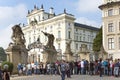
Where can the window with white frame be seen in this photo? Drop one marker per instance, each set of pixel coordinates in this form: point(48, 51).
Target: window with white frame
point(110, 27)
point(59, 34)
point(68, 24)
point(29, 40)
point(77, 38)
point(88, 38)
point(76, 46)
point(110, 12)
point(51, 28)
point(58, 45)
point(34, 38)
point(110, 43)
point(80, 38)
point(69, 35)
point(76, 30)
point(59, 24)
point(83, 31)
point(119, 26)
point(83, 37)
point(119, 42)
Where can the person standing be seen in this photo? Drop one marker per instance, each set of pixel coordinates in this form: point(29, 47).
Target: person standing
point(19, 67)
point(82, 67)
point(68, 70)
point(116, 68)
point(1, 73)
point(6, 73)
point(62, 69)
point(91, 68)
point(111, 68)
point(100, 67)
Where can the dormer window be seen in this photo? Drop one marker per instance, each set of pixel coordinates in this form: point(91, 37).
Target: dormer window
point(110, 12)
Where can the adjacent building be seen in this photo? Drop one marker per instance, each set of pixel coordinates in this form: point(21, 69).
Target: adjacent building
point(62, 26)
point(111, 27)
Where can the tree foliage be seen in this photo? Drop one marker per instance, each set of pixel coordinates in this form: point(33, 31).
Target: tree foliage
point(2, 54)
point(10, 66)
point(97, 43)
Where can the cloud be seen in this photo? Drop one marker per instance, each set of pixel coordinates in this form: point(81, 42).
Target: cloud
point(88, 5)
point(5, 37)
point(84, 20)
point(10, 16)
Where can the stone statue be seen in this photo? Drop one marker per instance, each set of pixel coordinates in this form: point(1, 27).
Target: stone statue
point(50, 53)
point(50, 40)
point(68, 48)
point(16, 51)
point(18, 35)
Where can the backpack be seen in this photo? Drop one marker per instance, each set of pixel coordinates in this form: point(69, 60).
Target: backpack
point(62, 67)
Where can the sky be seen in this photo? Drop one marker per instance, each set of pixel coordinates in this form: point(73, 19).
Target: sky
point(15, 11)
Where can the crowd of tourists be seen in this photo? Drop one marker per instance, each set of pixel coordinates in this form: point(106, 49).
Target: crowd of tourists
point(98, 67)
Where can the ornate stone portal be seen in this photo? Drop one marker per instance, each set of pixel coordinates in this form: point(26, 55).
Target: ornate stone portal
point(68, 53)
point(84, 52)
point(16, 51)
point(49, 51)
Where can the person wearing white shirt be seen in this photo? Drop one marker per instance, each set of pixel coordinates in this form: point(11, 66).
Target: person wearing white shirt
point(82, 67)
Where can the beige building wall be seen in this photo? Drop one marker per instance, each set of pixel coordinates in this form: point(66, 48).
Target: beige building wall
point(111, 17)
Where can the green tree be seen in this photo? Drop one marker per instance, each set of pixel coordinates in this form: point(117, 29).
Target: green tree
point(97, 43)
point(10, 66)
point(2, 54)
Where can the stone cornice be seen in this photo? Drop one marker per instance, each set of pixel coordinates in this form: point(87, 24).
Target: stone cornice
point(118, 33)
point(60, 17)
point(110, 4)
point(113, 17)
point(35, 12)
point(111, 34)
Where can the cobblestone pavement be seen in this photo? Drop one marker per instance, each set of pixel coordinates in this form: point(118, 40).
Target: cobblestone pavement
point(57, 77)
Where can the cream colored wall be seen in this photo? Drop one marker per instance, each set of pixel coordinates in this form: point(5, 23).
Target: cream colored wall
point(115, 19)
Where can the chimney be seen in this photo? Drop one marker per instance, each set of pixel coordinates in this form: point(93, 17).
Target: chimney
point(51, 10)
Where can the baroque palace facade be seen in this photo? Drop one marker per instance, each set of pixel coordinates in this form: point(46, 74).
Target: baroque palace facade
point(62, 26)
point(111, 27)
